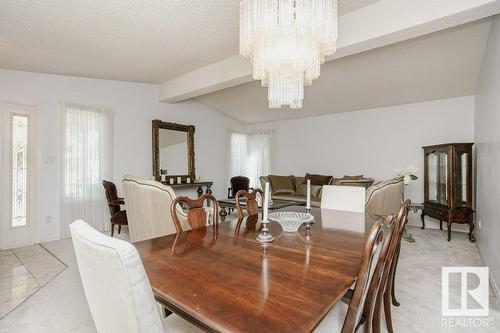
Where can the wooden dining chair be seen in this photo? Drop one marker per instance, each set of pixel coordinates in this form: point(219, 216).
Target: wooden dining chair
point(361, 307)
point(361, 300)
point(118, 216)
point(196, 211)
point(387, 281)
point(252, 206)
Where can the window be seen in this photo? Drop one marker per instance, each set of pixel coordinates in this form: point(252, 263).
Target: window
point(251, 155)
point(19, 170)
point(87, 152)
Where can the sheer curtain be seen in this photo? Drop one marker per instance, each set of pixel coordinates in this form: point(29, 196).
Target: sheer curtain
point(87, 160)
point(237, 154)
point(251, 155)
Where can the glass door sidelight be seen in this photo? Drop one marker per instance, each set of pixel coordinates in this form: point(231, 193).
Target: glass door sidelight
point(18, 172)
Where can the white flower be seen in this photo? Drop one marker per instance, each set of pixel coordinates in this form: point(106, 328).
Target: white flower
point(407, 179)
point(398, 173)
point(411, 170)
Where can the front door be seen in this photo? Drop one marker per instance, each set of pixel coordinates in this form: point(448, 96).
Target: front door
point(18, 222)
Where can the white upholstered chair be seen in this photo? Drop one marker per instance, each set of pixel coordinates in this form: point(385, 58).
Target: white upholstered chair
point(384, 198)
point(148, 209)
point(347, 198)
point(115, 283)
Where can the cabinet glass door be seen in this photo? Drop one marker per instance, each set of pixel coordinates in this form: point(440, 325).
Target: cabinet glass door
point(461, 176)
point(438, 177)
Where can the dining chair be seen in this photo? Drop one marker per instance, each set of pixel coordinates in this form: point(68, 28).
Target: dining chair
point(116, 286)
point(238, 183)
point(361, 300)
point(148, 207)
point(386, 289)
point(198, 214)
point(347, 198)
point(251, 203)
point(118, 216)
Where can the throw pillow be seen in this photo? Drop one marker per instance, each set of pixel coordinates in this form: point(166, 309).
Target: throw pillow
point(358, 177)
point(302, 190)
point(282, 184)
point(317, 179)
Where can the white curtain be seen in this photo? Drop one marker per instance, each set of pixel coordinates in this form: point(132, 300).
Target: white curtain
point(251, 155)
point(87, 160)
point(237, 154)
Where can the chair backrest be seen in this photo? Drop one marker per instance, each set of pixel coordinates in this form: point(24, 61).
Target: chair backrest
point(239, 183)
point(389, 266)
point(111, 195)
point(374, 256)
point(148, 208)
point(384, 198)
point(348, 198)
point(252, 206)
point(196, 211)
point(115, 283)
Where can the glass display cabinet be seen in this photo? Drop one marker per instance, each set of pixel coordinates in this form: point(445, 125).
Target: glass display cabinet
point(448, 185)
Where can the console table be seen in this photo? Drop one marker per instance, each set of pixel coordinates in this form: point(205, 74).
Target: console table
point(200, 185)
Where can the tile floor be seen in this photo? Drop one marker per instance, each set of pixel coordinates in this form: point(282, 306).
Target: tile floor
point(418, 289)
point(23, 272)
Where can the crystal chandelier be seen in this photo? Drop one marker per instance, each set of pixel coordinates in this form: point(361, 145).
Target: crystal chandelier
point(286, 42)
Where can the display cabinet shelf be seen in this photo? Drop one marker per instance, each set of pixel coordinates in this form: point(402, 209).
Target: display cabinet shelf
point(448, 185)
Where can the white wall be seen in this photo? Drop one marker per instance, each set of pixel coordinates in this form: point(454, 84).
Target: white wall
point(134, 106)
point(487, 137)
point(371, 142)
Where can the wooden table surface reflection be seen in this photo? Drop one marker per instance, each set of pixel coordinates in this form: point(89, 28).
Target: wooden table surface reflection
point(222, 279)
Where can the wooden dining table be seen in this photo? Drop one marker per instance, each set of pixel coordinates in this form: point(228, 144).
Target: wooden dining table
point(222, 280)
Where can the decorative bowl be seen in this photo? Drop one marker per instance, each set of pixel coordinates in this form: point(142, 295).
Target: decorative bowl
point(290, 221)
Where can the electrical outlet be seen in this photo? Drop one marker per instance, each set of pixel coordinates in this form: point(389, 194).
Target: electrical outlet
point(48, 219)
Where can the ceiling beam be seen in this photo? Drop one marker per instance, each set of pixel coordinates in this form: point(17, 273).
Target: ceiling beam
point(382, 23)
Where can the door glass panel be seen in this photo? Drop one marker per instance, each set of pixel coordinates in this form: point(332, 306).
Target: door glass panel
point(19, 170)
point(462, 179)
point(432, 163)
point(438, 177)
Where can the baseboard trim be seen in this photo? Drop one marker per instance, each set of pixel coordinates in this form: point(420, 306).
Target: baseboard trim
point(493, 283)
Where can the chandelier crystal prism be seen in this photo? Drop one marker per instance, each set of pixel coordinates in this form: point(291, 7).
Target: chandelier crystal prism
point(286, 42)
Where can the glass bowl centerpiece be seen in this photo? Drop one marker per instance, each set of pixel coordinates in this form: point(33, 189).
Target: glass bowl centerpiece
point(290, 221)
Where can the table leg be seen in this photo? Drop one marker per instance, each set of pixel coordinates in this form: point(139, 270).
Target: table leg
point(223, 212)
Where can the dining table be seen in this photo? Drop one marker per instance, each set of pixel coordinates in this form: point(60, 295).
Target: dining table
point(221, 279)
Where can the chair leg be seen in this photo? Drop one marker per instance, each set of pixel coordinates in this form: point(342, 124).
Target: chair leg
point(112, 229)
point(387, 311)
point(392, 277)
point(376, 316)
point(119, 229)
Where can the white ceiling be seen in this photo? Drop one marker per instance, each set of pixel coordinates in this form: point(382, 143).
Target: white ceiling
point(440, 65)
point(143, 41)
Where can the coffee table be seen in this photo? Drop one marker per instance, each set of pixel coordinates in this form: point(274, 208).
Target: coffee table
point(225, 204)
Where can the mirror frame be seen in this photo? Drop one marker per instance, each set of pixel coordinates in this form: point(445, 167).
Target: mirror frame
point(157, 124)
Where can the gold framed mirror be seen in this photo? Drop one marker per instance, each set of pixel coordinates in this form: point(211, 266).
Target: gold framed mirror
point(173, 150)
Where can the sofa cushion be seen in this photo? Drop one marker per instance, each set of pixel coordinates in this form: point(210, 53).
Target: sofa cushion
point(315, 201)
point(317, 179)
point(302, 190)
point(282, 184)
